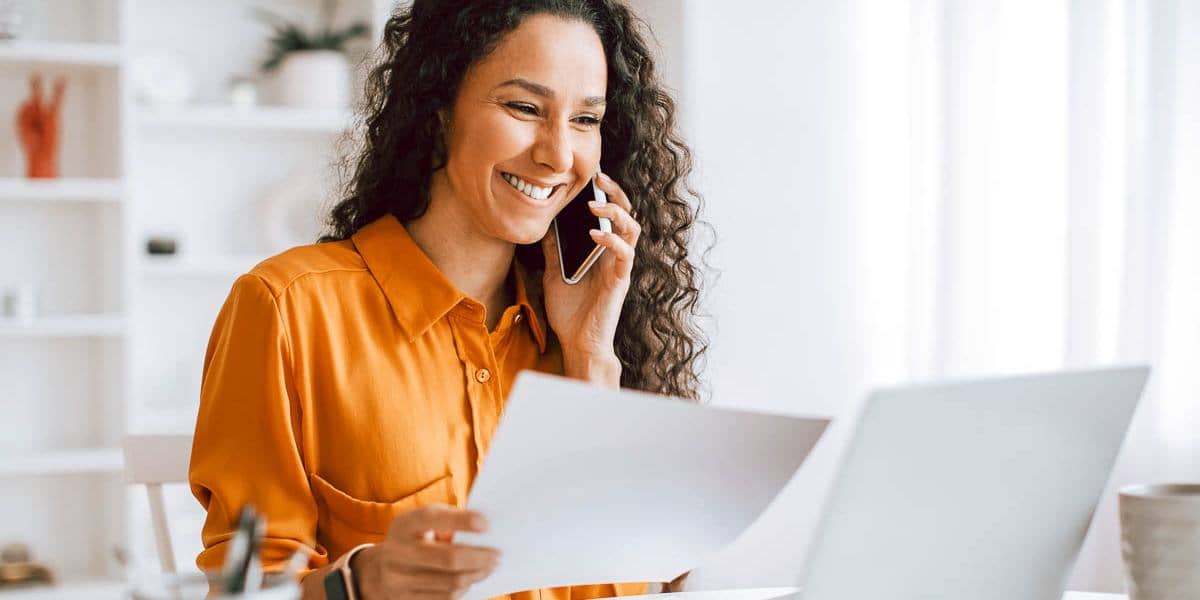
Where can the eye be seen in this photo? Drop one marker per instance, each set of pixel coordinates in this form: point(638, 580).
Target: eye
point(525, 108)
point(589, 121)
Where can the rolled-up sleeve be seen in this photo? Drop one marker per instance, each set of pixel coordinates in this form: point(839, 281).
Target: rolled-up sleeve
point(247, 447)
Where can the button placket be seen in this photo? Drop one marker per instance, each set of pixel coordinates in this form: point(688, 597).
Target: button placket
point(474, 345)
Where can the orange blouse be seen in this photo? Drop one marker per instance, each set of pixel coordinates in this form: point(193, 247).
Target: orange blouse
point(349, 381)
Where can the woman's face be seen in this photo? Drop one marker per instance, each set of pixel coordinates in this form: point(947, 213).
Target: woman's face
point(530, 109)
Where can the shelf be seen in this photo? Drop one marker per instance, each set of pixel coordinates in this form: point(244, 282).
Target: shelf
point(198, 268)
point(74, 189)
point(263, 118)
point(58, 462)
point(81, 590)
point(64, 54)
point(64, 326)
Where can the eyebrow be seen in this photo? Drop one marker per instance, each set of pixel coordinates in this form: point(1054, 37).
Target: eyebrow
point(545, 92)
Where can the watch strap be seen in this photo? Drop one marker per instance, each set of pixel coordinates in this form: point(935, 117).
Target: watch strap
point(339, 583)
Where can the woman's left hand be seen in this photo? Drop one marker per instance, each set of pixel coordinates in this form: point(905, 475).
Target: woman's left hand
point(584, 316)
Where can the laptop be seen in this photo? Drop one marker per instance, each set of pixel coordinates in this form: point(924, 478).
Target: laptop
point(979, 490)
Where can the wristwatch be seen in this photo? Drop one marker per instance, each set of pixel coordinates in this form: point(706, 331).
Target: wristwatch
point(339, 582)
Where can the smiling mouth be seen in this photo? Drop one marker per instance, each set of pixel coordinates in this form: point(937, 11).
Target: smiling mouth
point(531, 192)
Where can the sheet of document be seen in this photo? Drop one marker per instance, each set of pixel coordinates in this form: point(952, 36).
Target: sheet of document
point(780, 593)
point(587, 485)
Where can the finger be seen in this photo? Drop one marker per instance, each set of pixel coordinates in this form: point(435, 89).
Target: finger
point(550, 250)
point(448, 558)
point(60, 87)
point(621, 250)
point(413, 524)
point(613, 191)
point(623, 223)
point(35, 88)
point(423, 580)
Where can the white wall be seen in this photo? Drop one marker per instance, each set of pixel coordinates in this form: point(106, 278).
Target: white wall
point(768, 113)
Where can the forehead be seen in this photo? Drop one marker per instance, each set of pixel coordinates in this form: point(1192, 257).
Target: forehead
point(564, 55)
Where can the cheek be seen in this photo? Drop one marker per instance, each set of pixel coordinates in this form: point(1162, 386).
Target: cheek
point(501, 137)
point(587, 156)
point(488, 140)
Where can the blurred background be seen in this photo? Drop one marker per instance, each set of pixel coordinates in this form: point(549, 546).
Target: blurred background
point(901, 190)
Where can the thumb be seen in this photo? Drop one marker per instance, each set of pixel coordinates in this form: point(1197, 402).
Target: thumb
point(550, 250)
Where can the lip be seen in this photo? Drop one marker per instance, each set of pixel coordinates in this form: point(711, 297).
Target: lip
point(536, 182)
point(549, 201)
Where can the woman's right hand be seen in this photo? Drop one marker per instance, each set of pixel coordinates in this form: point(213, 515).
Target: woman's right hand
point(418, 559)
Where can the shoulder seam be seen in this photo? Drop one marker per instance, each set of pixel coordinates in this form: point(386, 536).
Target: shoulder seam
point(284, 288)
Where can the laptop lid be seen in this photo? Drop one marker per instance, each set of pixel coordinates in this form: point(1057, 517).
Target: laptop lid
point(972, 489)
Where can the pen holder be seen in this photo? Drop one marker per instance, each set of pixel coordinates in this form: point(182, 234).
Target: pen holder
point(195, 586)
point(288, 592)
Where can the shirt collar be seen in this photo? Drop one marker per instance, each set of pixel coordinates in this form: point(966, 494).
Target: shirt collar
point(416, 289)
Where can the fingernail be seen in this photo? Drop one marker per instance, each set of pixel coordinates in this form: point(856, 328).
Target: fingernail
point(595, 203)
point(595, 232)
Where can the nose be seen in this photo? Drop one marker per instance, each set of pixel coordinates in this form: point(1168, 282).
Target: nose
point(553, 149)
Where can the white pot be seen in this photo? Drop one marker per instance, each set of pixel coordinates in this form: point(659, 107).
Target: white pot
point(313, 79)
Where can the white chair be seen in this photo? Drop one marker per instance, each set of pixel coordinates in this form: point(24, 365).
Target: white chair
point(153, 460)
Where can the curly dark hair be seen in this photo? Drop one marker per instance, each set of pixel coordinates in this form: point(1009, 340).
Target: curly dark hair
point(426, 51)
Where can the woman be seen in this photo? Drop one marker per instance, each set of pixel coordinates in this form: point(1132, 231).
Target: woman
point(351, 387)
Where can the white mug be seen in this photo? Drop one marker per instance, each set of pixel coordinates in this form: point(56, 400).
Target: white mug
point(1160, 541)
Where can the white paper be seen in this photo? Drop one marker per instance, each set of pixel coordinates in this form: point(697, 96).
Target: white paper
point(780, 593)
point(588, 485)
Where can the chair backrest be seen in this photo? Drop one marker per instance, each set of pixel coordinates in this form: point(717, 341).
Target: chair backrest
point(152, 460)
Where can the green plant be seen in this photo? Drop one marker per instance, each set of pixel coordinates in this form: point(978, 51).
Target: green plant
point(289, 36)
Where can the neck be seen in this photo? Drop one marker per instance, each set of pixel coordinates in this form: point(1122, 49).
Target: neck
point(478, 265)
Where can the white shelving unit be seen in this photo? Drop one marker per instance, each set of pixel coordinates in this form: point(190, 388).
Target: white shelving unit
point(62, 370)
point(71, 591)
point(191, 268)
point(295, 120)
point(72, 189)
point(118, 341)
point(60, 54)
point(64, 326)
point(88, 460)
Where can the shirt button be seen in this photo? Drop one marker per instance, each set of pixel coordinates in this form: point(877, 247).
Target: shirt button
point(483, 376)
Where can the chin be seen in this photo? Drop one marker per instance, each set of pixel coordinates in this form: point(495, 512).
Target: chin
point(524, 233)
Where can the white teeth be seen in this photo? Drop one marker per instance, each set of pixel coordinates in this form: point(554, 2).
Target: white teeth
point(533, 191)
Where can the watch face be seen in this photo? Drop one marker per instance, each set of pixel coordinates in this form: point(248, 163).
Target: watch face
point(335, 586)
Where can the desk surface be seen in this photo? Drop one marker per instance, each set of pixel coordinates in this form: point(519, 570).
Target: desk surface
point(773, 593)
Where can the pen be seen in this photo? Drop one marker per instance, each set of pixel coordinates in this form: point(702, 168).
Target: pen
point(241, 549)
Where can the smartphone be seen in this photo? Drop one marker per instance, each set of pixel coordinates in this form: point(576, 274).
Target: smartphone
point(577, 251)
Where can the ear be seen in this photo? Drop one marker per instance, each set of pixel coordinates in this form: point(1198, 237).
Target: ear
point(442, 139)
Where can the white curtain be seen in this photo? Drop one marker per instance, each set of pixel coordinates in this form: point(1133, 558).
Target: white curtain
point(1027, 176)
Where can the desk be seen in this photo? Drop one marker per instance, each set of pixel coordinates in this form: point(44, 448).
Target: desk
point(772, 593)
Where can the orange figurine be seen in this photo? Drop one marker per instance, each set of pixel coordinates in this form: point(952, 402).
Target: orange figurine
point(37, 125)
